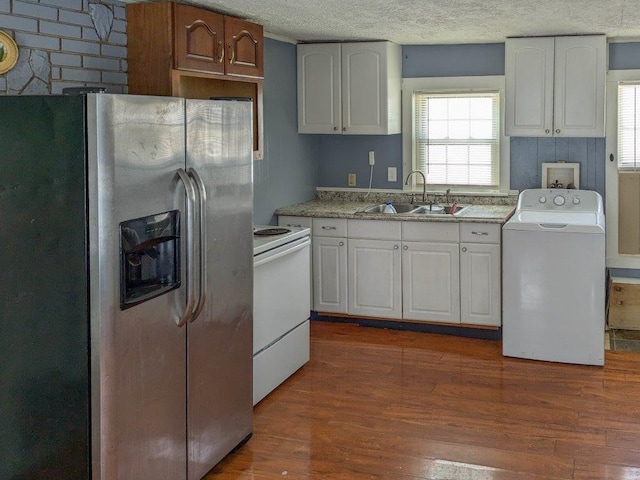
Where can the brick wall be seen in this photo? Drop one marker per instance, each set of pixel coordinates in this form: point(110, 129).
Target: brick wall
point(65, 43)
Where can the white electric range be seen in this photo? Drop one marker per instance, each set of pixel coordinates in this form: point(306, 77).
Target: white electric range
point(266, 237)
point(281, 297)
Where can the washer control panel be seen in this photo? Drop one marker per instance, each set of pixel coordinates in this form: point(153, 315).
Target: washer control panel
point(555, 199)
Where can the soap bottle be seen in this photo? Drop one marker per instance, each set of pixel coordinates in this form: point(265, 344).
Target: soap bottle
point(388, 208)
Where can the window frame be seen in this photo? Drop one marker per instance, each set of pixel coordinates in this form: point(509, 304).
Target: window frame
point(471, 84)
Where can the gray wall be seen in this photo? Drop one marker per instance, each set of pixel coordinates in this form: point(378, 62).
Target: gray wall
point(65, 43)
point(288, 174)
point(340, 155)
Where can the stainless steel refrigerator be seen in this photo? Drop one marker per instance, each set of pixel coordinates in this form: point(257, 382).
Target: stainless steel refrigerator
point(126, 285)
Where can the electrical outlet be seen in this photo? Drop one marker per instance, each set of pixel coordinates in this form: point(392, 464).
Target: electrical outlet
point(392, 174)
point(351, 179)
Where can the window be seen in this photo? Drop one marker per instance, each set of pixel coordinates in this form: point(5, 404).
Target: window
point(457, 137)
point(628, 126)
point(451, 130)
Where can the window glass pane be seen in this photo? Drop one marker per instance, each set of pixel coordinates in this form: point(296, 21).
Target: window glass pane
point(481, 128)
point(628, 126)
point(459, 129)
point(438, 108)
point(437, 129)
point(481, 108)
point(457, 137)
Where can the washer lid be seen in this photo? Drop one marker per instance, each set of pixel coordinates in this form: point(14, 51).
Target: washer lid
point(565, 222)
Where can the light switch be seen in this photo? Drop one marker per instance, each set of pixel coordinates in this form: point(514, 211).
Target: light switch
point(392, 173)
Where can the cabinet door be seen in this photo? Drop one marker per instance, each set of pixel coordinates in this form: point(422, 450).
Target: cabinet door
point(374, 274)
point(480, 284)
point(366, 99)
point(529, 87)
point(430, 282)
point(199, 39)
point(245, 48)
point(580, 80)
point(319, 96)
point(330, 274)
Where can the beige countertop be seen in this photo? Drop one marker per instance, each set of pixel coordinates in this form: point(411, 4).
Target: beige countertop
point(351, 209)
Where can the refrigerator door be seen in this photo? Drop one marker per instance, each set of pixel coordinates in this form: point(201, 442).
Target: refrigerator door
point(44, 355)
point(136, 145)
point(219, 378)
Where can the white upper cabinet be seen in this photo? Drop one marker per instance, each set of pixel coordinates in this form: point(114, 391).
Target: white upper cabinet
point(555, 86)
point(349, 88)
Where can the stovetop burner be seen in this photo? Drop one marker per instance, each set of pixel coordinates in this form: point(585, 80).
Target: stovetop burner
point(265, 232)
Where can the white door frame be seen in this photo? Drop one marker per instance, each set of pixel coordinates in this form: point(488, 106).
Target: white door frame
point(615, 259)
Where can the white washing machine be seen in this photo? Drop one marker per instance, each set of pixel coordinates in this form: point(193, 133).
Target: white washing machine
point(554, 277)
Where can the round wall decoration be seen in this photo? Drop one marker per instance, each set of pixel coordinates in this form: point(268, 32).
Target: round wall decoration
point(8, 52)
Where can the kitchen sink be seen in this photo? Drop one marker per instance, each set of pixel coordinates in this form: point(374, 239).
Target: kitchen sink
point(416, 209)
point(440, 210)
point(400, 208)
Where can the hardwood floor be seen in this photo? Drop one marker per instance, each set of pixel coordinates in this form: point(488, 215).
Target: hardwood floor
point(383, 404)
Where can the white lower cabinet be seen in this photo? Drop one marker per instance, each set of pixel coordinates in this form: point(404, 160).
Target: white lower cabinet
point(480, 284)
point(374, 273)
point(430, 282)
point(480, 274)
point(330, 265)
point(418, 271)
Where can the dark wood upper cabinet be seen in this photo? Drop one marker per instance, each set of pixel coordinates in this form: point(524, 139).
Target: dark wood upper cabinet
point(199, 39)
point(185, 51)
point(244, 46)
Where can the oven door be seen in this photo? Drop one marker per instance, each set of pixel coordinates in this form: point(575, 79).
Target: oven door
point(281, 292)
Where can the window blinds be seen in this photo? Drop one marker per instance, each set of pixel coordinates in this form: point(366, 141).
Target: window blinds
point(457, 137)
point(628, 126)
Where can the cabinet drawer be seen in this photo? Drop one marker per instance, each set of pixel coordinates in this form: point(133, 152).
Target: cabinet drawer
point(432, 232)
point(374, 229)
point(480, 232)
point(287, 221)
point(330, 227)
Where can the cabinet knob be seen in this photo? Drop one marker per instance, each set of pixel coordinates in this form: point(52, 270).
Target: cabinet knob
point(619, 302)
point(344, 129)
point(617, 288)
point(341, 244)
point(557, 130)
point(404, 247)
point(464, 249)
point(547, 131)
point(395, 247)
point(335, 129)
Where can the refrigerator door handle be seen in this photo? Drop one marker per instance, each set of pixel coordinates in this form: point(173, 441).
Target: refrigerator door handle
point(202, 196)
point(190, 246)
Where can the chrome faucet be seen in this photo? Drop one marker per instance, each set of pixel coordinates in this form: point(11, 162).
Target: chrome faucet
point(424, 183)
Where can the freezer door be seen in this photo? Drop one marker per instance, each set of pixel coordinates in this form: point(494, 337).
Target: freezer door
point(219, 389)
point(136, 145)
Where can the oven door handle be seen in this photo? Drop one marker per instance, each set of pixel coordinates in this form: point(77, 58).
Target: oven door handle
point(290, 248)
point(189, 247)
point(202, 250)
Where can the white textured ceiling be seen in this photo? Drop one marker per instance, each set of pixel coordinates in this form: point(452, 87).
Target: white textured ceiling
point(434, 21)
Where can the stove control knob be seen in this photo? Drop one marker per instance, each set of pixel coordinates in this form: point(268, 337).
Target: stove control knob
point(542, 199)
point(576, 200)
point(559, 200)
